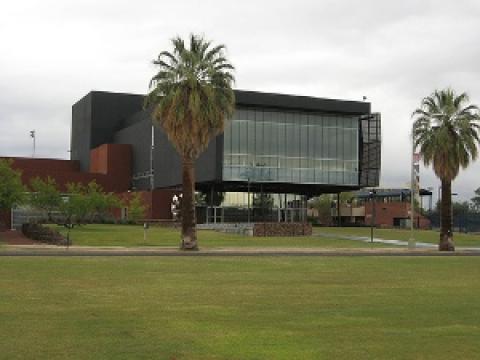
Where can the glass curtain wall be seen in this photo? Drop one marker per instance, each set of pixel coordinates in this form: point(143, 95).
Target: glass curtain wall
point(291, 147)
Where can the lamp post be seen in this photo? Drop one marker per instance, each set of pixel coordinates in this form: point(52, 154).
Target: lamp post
point(411, 240)
point(32, 135)
point(372, 194)
point(152, 148)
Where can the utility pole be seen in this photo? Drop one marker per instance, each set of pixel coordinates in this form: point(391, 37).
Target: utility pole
point(32, 135)
point(373, 215)
point(152, 148)
point(411, 240)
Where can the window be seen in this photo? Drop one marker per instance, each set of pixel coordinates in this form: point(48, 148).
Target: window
point(291, 147)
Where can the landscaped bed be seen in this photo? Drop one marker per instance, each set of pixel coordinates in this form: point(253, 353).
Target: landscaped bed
point(239, 308)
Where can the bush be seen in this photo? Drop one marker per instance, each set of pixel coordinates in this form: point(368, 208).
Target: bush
point(43, 234)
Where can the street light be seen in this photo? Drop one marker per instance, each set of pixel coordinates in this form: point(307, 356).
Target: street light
point(32, 135)
point(411, 240)
point(371, 195)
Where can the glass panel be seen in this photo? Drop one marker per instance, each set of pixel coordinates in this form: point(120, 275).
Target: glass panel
point(227, 139)
point(303, 136)
point(251, 140)
point(243, 137)
point(235, 137)
point(259, 133)
point(331, 142)
point(291, 147)
point(267, 139)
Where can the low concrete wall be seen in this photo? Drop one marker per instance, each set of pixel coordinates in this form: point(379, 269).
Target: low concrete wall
point(282, 229)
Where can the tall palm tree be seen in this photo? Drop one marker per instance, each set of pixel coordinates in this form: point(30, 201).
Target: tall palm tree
point(446, 129)
point(192, 97)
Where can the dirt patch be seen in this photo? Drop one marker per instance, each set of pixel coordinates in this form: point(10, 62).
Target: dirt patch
point(12, 237)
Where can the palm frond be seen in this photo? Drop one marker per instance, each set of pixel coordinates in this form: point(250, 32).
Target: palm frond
point(192, 93)
point(446, 132)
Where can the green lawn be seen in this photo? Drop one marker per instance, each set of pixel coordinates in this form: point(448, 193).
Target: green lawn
point(239, 308)
point(132, 235)
point(427, 236)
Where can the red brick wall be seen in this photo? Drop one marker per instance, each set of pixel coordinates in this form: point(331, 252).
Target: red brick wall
point(112, 159)
point(161, 202)
point(113, 163)
point(157, 203)
point(42, 165)
point(386, 212)
point(5, 220)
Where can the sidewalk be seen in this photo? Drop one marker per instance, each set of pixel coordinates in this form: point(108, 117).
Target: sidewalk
point(52, 250)
point(403, 243)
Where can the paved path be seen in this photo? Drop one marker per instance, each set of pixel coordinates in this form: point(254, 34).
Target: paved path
point(367, 239)
point(50, 250)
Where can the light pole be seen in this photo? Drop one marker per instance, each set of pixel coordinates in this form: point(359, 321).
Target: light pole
point(152, 148)
point(372, 194)
point(32, 135)
point(411, 240)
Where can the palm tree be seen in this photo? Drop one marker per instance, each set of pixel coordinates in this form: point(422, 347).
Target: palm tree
point(192, 97)
point(446, 131)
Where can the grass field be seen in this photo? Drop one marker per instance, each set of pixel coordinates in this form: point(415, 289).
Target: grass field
point(132, 235)
point(239, 308)
point(427, 236)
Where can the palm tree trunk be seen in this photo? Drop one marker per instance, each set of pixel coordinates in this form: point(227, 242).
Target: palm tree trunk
point(189, 232)
point(446, 235)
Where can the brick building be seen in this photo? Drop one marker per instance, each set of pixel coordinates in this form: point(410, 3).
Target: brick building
point(110, 167)
point(387, 208)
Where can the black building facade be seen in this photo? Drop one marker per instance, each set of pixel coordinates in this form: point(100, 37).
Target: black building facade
point(274, 143)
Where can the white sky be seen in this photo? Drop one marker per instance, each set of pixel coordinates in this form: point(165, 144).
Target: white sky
point(395, 53)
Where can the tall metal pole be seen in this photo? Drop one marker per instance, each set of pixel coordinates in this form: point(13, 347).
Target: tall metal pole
point(32, 135)
point(372, 194)
point(152, 147)
point(411, 240)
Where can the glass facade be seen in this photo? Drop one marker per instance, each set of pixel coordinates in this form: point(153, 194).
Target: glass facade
point(291, 147)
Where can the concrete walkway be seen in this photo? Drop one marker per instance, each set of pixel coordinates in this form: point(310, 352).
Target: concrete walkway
point(51, 250)
point(366, 239)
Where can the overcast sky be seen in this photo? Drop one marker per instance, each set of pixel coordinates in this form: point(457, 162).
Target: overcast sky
point(395, 53)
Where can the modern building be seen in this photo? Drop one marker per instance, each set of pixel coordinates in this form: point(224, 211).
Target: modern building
point(290, 147)
point(276, 152)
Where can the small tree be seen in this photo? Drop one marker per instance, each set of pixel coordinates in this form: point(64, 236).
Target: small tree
point(262, 201)
point(45, 196)
point(323, 205)
point(12, 191)
point(75, 208)
point(262, 204)
point(209, 198)
point(99, 203)
point(476, 200)
point(136, 208)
